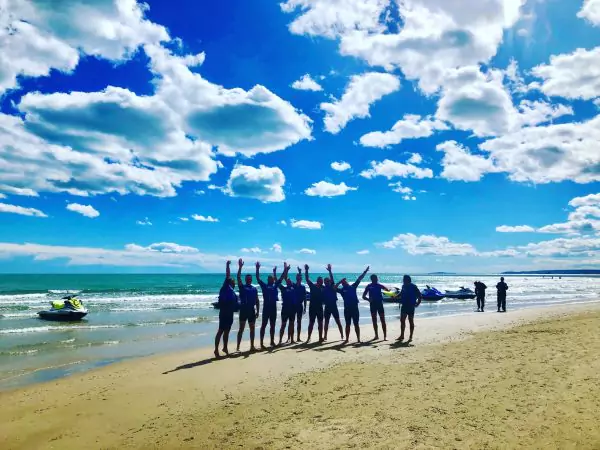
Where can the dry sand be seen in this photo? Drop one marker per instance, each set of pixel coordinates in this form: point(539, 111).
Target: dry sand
point(533, 386)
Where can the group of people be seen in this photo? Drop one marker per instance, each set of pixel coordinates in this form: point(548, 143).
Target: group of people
point(322, 306)
point(501, 289)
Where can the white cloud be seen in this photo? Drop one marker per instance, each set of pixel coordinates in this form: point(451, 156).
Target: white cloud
point(163, 247)
point(307, 251)
point(282, 222)
point(38, 36)
point(362, 252)
point(590, 11)
point(25, 192)
point(588, 200)
point(564, 247)
point(276, 248)
point(251, 250)
point(200, 218)
point(428, 245)
point(415, 158)
point(391, 169)
point(84, 210)
point(326, 189)
point(340, 166)
point(460, 165)
point(361, 92)
point(144, 222)
point(515, 229)
point(306, 83)
point(410, 127)
point(184, 219)
point(262, 183)
point(199, 192)
point(247, 219)
point(550, 153)
point(14, 209)
point(306, 224)
point(398, 187)
point(409, 197)
point(574, 76)
point(432, 37)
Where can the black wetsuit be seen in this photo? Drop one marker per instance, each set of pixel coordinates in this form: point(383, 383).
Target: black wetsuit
point(315, 309)
point(480, 292)
point(502, 287)
point(350, 297)
point(248, 299)
point(227, 304)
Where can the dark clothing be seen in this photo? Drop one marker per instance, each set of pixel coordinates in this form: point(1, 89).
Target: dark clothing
point(377, 308)
point(300, 297)
point(315, 312)
point(351, 314)
point(480, 302)
point(407, 310)
point(288, 296)
point(409, 295)
point(248, 295)
point(375, 291)
point(270, 293)
point(228, 299)
point(269, 314)
point(349, 294)
point(331, 310)
point(316, 295)
point(330, 296)
point(287, 313)
point(248, 313)
point(480, 294)
point(225, 319)
point(502, 287)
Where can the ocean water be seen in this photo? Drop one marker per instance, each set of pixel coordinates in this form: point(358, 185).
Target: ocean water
point(138, 315)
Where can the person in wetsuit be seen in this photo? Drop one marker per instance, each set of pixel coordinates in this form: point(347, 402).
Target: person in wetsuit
point(373, 294)
point(501, 288)
point(288, 308)
point(249, 306)
point(480, 295)
point(270, 292)
point(330, 300)
point(227, 304)
point(315, 309)
point(299, 302)
point(410, 298)
point(350, 297)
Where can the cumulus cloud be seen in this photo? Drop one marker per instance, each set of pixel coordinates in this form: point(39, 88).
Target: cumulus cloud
point(39, 36)
point(306, 224)
point(398, 187)
point(262, 183)
point(515, 229)
point(415, 158)
point(162, 247)
point(461, 165)
point(200, 218)
point(590, 11)
point(391, 169)
point(251, 250)
point(326, 189)
point(15, 209)
point(361, 92)
point(144, 222)
point(429, 37)
point(307, 251)
point(564, 247)
point(410, 127)
point(340, 166)
point(573, 76)
point(84, 210)
point(306, 83)
point(428, 245)
point(277, 248)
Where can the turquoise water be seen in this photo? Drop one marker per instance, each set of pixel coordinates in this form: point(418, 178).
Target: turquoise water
point(137, 315)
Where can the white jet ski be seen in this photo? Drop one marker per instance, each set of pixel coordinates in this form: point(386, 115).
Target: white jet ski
point(69, 309)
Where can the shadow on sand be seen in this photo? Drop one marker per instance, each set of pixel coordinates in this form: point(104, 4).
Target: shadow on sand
point(206, 361)
point(401, 344)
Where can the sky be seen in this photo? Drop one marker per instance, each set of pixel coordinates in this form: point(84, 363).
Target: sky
point(412, 135)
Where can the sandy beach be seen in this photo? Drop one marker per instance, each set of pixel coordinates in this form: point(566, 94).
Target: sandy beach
point(521, 379)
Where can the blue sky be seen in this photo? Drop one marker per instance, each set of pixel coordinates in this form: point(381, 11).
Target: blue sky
point(415, 135)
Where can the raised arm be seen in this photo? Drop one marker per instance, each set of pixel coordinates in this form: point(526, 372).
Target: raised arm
point(330, 274)
point(258, 272)
point(310, 283)
point(275, 273)
point(239, 273)
point(286, 269)
point(362, 275)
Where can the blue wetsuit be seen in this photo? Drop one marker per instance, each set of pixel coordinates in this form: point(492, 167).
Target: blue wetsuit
point(350, 297)
point(375, 291)
point(315, 310)
point(270, 297)
point(288, 300)
point(330, 300)
point(300, 299)
point(248, 299)
point(409, 296)
point(228, 302)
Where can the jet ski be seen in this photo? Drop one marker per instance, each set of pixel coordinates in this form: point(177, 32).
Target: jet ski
point(68, 309)
point(462, 294)
point(236, 307)
point(431, 294)
point(391, 296)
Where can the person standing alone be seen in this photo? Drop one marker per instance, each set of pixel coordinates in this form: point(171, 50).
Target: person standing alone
point(480, 294)
point(502, 287)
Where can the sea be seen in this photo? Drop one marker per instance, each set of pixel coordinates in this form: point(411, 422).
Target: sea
point(134, 315)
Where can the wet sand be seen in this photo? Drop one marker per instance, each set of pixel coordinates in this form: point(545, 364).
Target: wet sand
point(532, 381)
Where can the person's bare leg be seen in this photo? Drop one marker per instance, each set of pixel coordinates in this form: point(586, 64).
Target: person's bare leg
point(217, 341)
point(320, 329)
point(252, 328)
point(272, 333)
point(339, 324)
point(357, 330)
point(347, 332)
point(263, 327)
point(411, 322)
point(226, 341)
point(299, 326)
point(326, 325)
point(311, 324)
point(291, 331)
point(383, 325)
point(240, 333)
point(281, 331)
point(374, 319)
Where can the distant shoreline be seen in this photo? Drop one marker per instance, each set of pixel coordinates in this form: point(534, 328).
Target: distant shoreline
point(554, 272)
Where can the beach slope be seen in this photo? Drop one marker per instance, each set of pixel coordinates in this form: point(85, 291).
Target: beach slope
point(529, 386)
